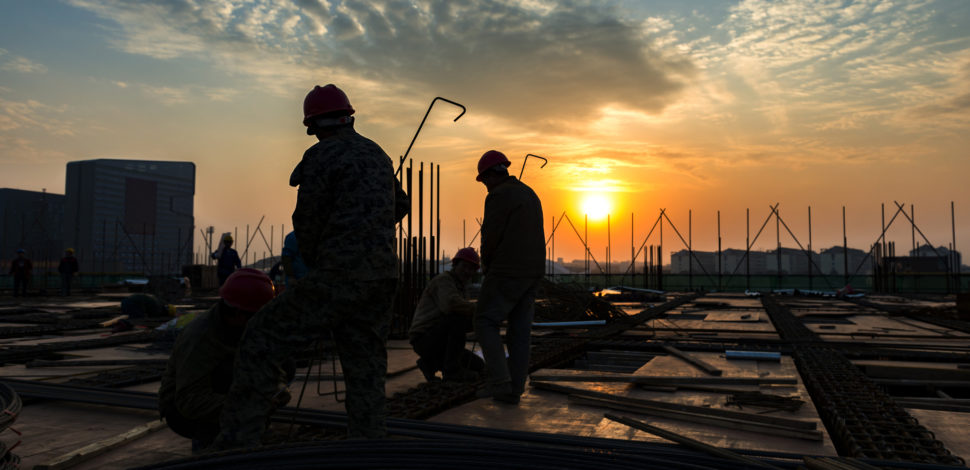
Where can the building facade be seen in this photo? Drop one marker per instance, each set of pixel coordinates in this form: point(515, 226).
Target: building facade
point(131, 216)
point(31, 220)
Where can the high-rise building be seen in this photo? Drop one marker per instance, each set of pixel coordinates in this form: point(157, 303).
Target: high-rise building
point(131, 216)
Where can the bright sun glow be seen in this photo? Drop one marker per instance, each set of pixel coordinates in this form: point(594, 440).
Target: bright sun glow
point(596, 206)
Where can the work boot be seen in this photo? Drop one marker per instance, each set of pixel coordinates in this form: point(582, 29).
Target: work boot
point(428, 371)
point(499, 392)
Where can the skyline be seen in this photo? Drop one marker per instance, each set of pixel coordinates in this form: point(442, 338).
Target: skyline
point(701, 105)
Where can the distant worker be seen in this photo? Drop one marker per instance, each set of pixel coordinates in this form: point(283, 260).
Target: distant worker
point(199, 370)
point(228, 259)
point(347, 206)
point(293, 266)
point(513, 262)
point(441, 320)
point(68, 269)
point(21, 269)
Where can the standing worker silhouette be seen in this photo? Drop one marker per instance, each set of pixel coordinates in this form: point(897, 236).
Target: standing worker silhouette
point(513, 261)
point(347, 206)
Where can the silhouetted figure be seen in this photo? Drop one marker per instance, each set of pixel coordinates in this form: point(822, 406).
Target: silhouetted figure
point(68, 269)
point(21, 269)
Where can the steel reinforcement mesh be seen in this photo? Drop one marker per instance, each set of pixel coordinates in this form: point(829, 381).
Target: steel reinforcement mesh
point(863, 421)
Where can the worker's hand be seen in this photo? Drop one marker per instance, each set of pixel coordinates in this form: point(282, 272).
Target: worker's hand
point(282, 397)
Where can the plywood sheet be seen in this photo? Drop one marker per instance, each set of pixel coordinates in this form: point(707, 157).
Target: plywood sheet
point(734, 316)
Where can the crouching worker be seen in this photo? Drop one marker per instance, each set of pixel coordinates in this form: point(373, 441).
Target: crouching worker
point(442, 318)
point(199, 371)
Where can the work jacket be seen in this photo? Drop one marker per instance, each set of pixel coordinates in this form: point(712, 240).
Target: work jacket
point(513, 238)
point(21, 268)
point(68, 265)
point(444, 295)
point(347, 206)
point(199, 371)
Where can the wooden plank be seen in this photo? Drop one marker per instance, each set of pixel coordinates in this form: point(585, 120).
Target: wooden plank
point(688, 442)
point(707, 368)
point(720, 412)
point(737, 424)
point(95, 449)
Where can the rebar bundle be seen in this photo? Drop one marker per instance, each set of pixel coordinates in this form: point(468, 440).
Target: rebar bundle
point(10, 406)
point(572, 302)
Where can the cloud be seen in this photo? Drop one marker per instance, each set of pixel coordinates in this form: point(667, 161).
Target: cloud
point(518, 60)
point(32, 114)
point(171, 96)
point(19, 64)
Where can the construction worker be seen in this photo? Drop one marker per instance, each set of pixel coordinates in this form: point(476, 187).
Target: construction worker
point(442, 318)
point(513, 261)
point(21, 269)
point(228, 259)
point(200, 368)
point(347, 206)
point(68, 269)
point(293, 266)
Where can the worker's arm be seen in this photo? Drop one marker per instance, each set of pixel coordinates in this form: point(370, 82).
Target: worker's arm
point(195, 397)
point(313, 201)
point(451, 301)
point(402, 203)
point(288, 267)
point(498, 210)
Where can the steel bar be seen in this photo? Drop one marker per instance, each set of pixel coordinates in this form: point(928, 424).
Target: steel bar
point(26, 353)
point(764, 419)
point(707, 368)
point(686, 441)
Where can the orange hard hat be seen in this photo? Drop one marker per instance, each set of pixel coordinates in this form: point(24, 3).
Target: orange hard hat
point(467, 254)
point(325, 100)
point(247, 289)
point(490, 159)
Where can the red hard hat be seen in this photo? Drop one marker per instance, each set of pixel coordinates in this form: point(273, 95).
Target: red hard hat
point(323, 100)
point(490, 159)
point(467, 254)
point(247, 289)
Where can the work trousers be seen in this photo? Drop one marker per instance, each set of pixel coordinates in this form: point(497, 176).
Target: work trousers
point(20, 286)
point(513, 299)
point(442, 347)
point(358, 315)
point(66, 279)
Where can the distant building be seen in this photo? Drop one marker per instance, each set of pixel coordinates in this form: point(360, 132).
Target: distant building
point(832, 261)
point(31, 220)
point(130, 215)
point(925, 260)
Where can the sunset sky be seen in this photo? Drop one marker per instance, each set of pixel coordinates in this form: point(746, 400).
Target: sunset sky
point(684, 105)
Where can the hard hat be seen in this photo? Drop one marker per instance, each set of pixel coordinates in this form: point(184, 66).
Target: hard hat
point(227, 238)
point(490, 159)
point(467, 254)
point(247, 289)
point(325, 100)
point(70, 250)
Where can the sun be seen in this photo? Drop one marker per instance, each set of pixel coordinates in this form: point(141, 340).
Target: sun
point(596, 206)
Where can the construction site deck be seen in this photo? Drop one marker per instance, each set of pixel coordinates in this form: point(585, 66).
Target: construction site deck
point(776, 380)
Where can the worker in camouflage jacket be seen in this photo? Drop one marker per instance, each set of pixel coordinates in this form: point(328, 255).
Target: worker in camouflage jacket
point(200, 368)
point(513, 261)
point(347, 206)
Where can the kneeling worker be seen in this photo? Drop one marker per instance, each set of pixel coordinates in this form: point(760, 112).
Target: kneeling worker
point(199, 371)
point(442, 318)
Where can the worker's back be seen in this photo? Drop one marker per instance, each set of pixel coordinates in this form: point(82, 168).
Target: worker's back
point(344, 217)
